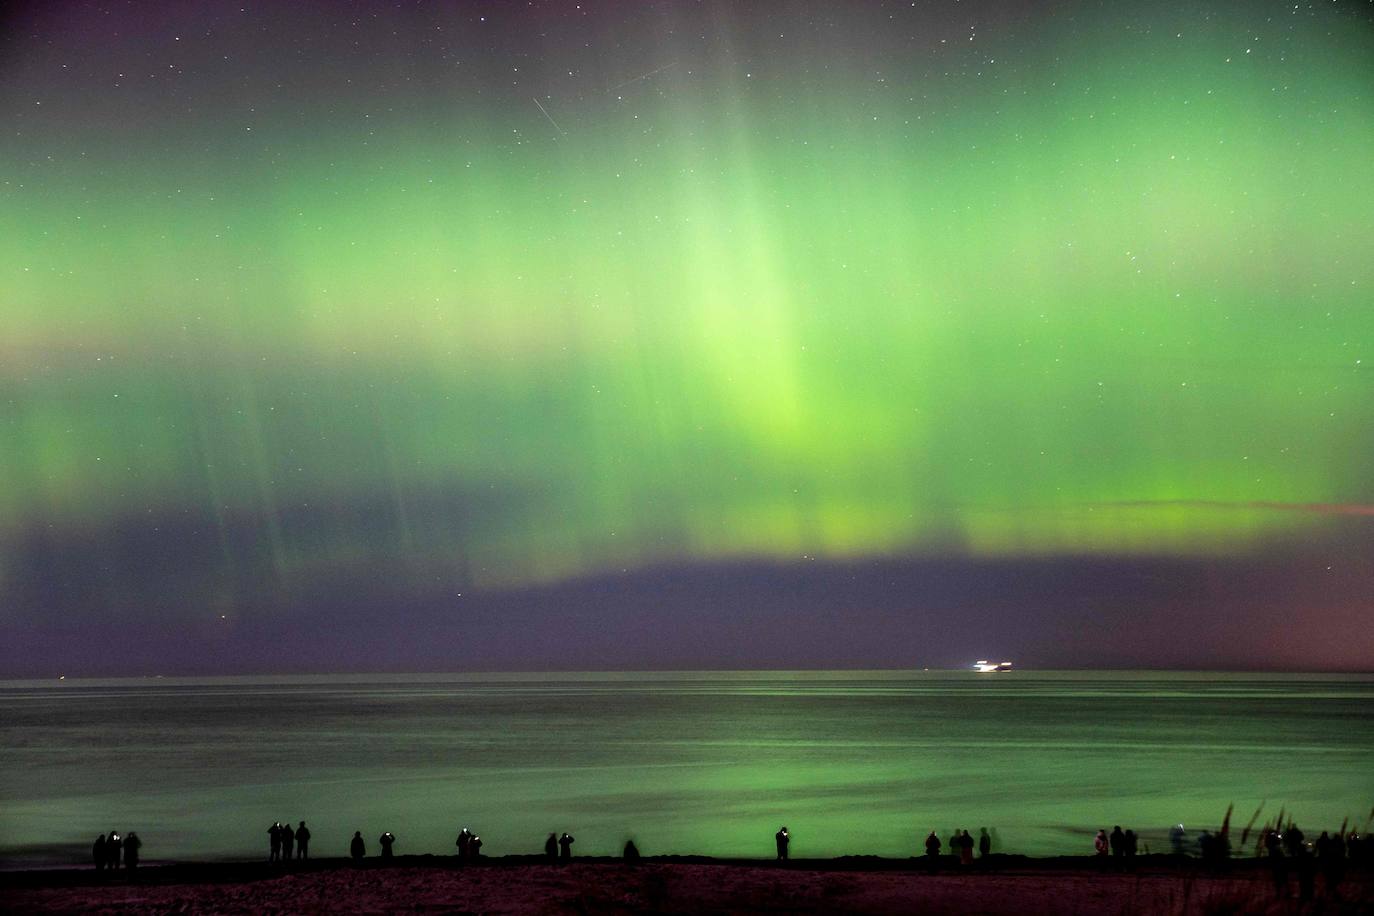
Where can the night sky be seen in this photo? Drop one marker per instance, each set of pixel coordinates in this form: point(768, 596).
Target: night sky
point(372, 336)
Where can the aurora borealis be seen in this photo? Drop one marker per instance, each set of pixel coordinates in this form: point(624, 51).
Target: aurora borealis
point(655, 334)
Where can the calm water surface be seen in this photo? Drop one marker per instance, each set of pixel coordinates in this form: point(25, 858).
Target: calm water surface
point(706, 762)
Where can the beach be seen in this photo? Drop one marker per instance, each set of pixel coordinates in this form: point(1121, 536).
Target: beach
point(698, 768)
point(519, 884)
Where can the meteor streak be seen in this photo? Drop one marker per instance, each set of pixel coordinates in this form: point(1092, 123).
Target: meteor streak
point(642, 76)
point(550, 117)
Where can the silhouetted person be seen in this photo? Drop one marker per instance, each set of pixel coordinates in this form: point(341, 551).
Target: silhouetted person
point(288, 841)
point(357, 849)
point(386, 841)
point(1132, 843)
point(1206, 846)
point(1278, 865)
point(274, 842)
point(631, 852)
point(565, 847)
point(114, 847)
point(1332, 863)
point(464, 838)
point(1262, 844)
point(551, 847)
point(1271, 843)
point(1178, 840)
point(1292, 841)
point(132, 844)
point(933, 851)
point(1307, 873)
point(965, 849)
point(98, 852)
point(302, 841)
point(475, 848)
point(984, 843)
point(784, 840)
point(1100, 843)
point(1117, 841)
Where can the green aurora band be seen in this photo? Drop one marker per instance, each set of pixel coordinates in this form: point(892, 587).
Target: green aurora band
point(1112, 296)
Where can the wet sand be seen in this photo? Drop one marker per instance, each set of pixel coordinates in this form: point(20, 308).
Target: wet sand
point(519, 884)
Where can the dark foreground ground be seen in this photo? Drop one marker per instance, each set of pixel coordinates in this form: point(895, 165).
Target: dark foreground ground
point(677, 885)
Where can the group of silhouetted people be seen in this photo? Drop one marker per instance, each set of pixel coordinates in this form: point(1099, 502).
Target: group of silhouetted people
point(469, 846)
point(559, 848)
point(283, 842)
point(357, 847)
point(961, 844)
point(556, 848)
point(1213, 848)
point(283, 839)
point(1287, 850)
point(111, 849)
point(1120, 845)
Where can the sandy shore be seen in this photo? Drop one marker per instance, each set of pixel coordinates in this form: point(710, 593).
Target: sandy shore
point(670, 885)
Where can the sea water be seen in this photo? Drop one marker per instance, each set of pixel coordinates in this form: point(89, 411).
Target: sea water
point(685, 762)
